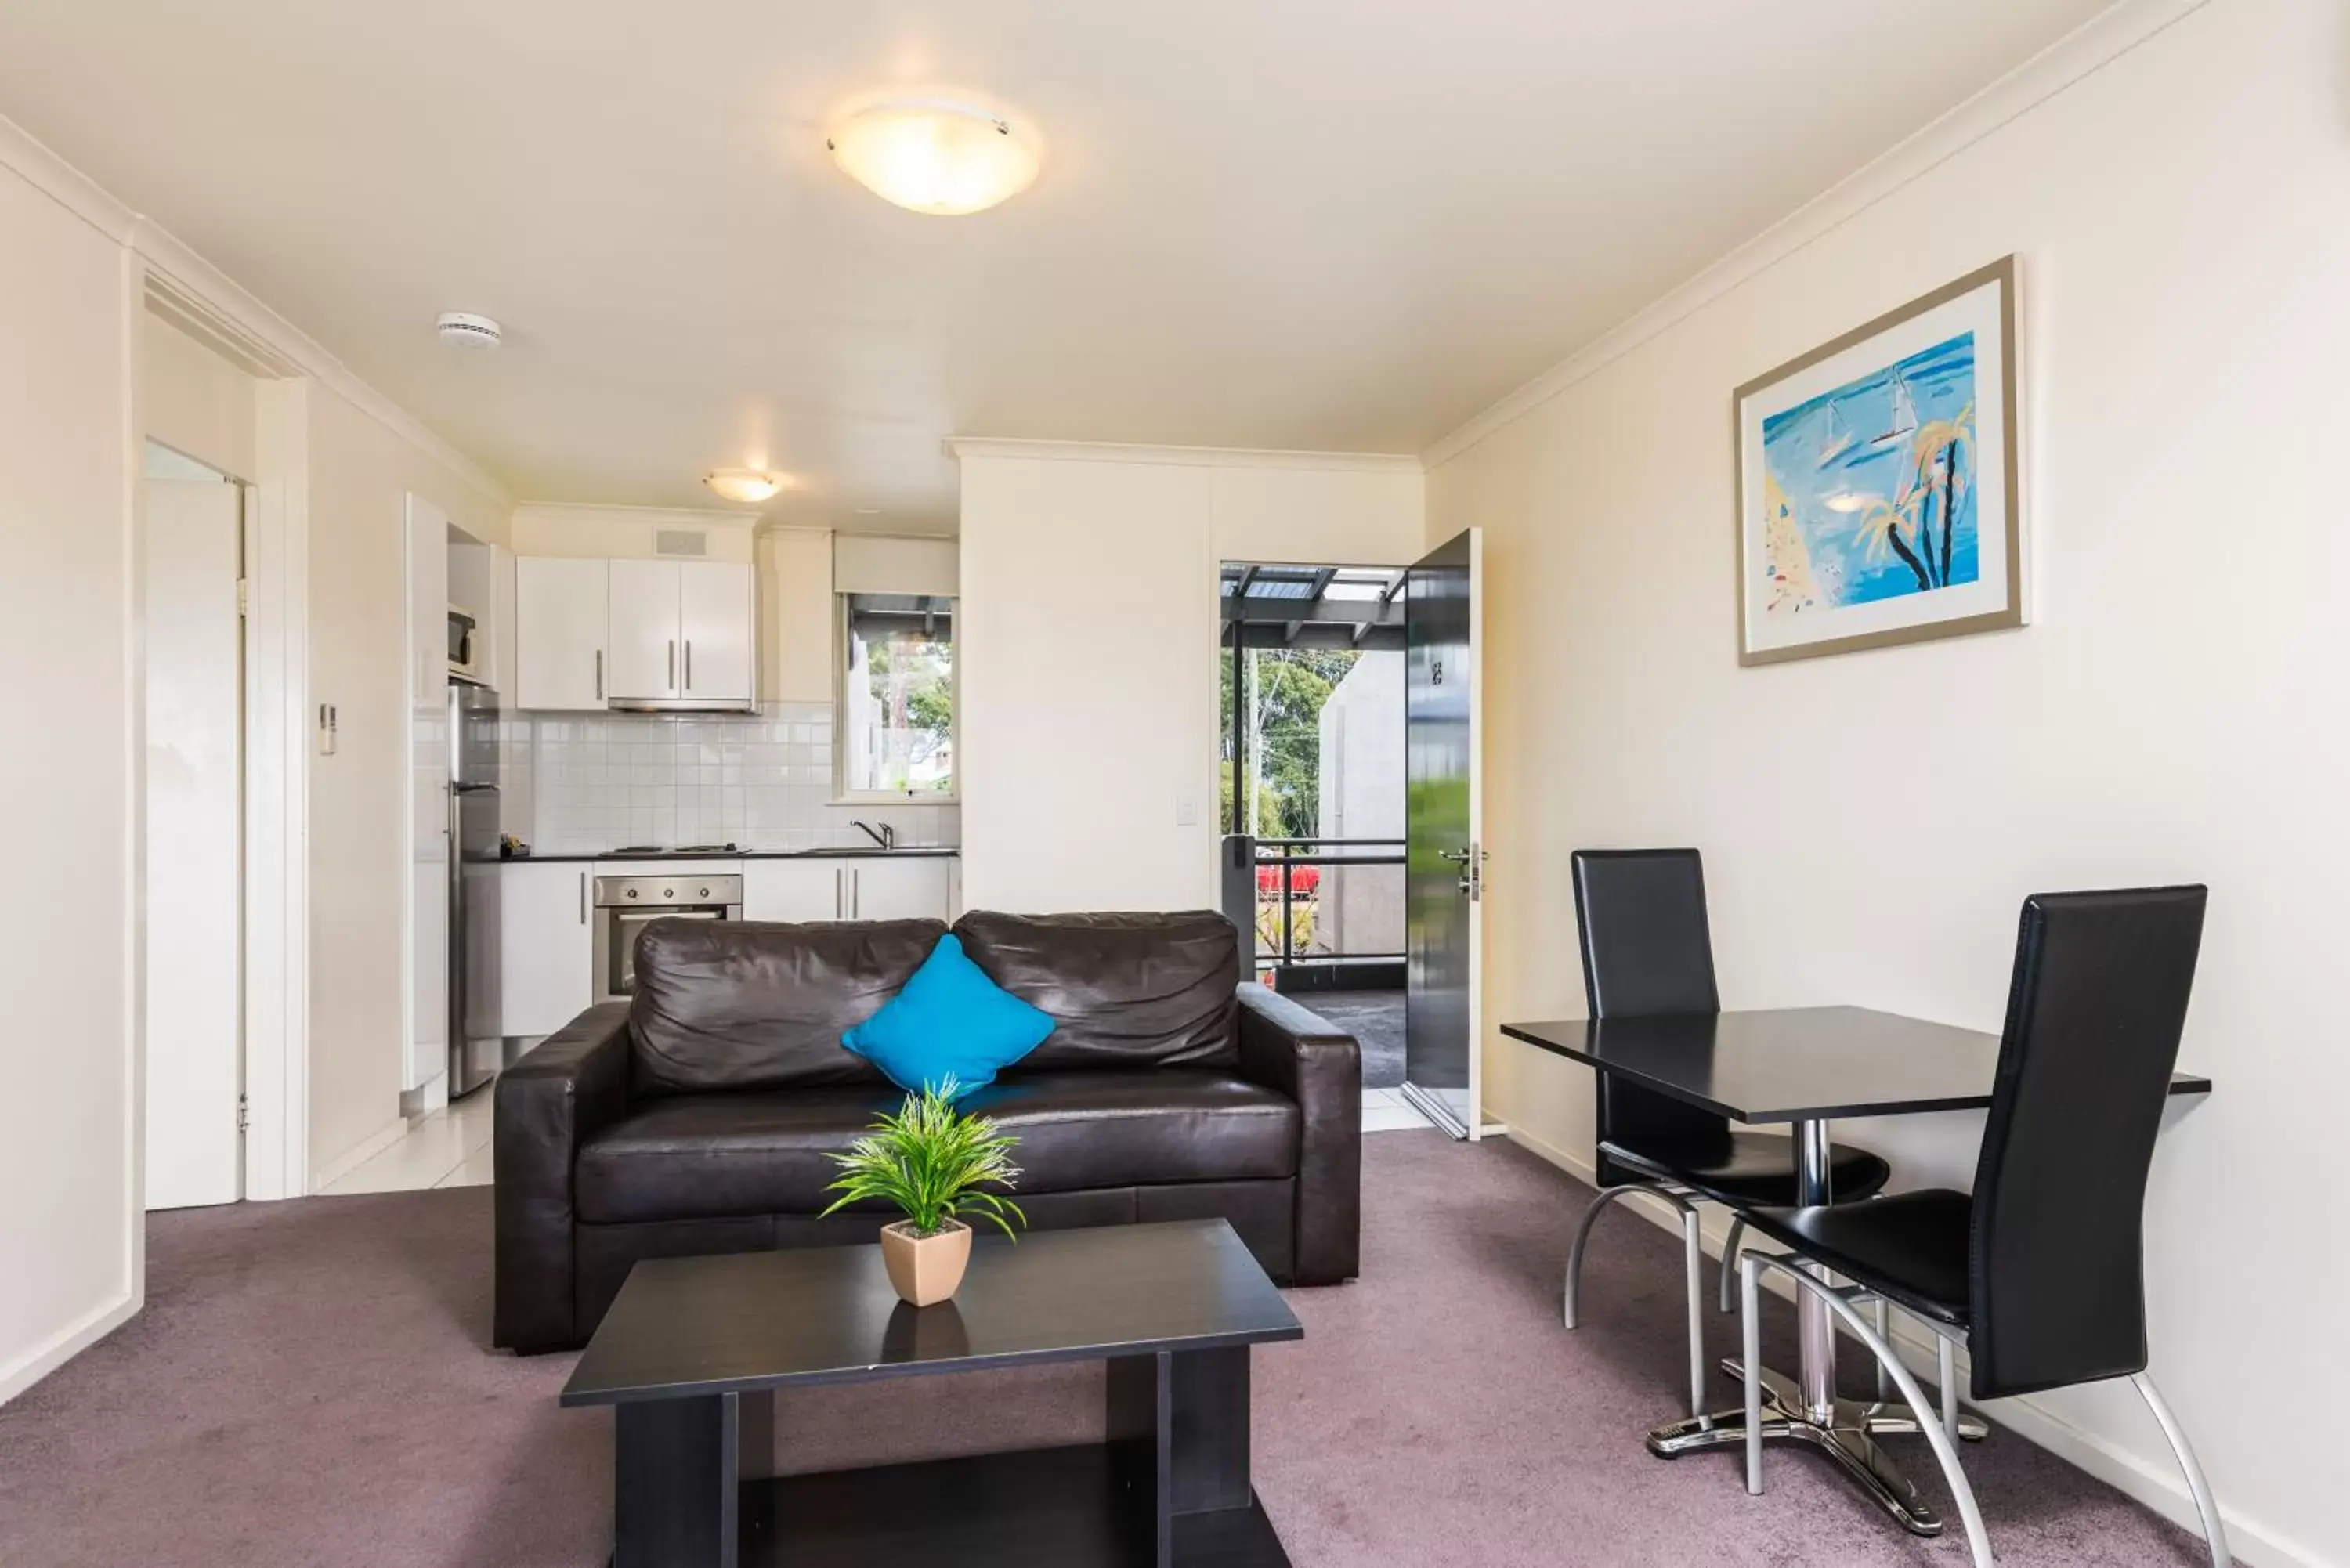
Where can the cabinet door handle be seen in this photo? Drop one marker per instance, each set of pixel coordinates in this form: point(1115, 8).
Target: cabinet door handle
point(583, 897)
point(689, 664)
point(835, 893)
point(599, 675)
point(672, 664)
point(856, 892)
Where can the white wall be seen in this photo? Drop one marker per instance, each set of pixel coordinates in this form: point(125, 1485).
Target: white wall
point(1872, 822)
point(625, 533)
point(194, 401)
point(360, 473)
point(70, 1237)
point(1088, 623)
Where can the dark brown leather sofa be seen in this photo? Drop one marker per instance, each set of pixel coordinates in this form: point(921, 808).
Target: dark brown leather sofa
point(696, 1117)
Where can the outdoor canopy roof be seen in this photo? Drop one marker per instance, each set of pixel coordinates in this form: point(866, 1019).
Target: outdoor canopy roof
point(1313, 606)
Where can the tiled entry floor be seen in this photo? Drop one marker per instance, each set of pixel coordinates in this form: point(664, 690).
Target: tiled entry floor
point(447, 1147)
point(1386, 1110)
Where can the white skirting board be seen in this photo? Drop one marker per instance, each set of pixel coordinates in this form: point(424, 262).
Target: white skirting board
point(366, 1150)
point(2163, 1490)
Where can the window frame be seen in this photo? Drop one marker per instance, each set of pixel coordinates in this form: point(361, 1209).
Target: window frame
point(841, 794)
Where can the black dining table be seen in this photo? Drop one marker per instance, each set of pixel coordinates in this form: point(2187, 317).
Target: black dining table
point(1804, 1066)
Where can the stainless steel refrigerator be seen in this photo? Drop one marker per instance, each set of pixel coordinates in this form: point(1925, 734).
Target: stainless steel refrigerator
point(475, 1050)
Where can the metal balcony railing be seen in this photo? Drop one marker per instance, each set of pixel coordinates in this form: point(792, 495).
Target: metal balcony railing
point(1296, 882)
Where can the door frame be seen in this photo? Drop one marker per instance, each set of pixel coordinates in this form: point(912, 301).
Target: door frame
point(276, 786)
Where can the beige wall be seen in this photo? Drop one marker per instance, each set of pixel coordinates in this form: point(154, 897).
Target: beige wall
point(360, 471)
point(68, 1233)
point(194, 401)
point(1872, 822)
point(796, 615)
point(624, 533)
point(1088, 622)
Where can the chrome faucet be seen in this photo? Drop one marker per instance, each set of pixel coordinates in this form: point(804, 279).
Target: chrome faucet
point(885, 836)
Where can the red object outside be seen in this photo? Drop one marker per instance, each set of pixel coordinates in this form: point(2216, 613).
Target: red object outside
point(1301, 879)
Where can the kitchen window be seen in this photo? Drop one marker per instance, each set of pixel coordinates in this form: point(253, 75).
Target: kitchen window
point(895, 727)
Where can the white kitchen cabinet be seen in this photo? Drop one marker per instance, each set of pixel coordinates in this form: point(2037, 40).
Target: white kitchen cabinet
point(794, 890)
point(644, 631)
point(561, 620)
point(897, 887)
point(683, 629)
point(547, 967)
point(717, 636)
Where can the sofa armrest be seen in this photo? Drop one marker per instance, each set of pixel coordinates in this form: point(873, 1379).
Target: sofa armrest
point(1283, 1047)
point(564, 1090)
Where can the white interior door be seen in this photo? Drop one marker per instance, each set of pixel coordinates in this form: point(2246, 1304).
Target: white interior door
point(195, 1066)
point(715, 629)
point(644, 632)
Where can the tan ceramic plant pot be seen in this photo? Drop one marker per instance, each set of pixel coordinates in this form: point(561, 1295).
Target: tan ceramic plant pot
point(926, 1270)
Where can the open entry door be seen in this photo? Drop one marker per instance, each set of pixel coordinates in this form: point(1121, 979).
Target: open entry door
point(1443, 821)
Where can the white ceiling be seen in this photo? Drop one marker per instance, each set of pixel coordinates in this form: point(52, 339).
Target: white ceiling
point(1331, 225)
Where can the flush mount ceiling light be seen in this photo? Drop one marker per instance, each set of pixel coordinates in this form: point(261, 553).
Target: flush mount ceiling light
point(932, 155)
point(747, 485)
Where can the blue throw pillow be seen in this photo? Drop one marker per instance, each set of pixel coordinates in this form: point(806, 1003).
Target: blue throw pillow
point(950, 1022)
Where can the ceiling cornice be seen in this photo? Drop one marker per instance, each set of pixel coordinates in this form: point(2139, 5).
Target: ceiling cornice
point(961, 447)
point(2096, 43)
point(229, 301)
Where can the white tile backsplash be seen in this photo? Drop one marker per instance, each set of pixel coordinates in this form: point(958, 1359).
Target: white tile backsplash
point(763, 781)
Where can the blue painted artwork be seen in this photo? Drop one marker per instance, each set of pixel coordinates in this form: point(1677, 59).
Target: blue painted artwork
point(1869, 490)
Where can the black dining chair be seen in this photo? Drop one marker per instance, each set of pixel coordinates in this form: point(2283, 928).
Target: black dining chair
point(2040, 1273)
point(1646, 949)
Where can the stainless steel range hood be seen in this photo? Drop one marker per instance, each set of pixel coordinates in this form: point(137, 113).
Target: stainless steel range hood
point(680, 705)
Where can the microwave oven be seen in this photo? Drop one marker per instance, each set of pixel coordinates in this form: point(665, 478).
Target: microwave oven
point(465, 646)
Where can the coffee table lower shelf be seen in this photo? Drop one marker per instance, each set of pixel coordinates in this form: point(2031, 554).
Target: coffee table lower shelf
point(1040, 1508)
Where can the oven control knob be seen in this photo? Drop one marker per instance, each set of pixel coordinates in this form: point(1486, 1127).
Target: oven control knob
point(632, 892)
point(705, 893)
point(668, 892)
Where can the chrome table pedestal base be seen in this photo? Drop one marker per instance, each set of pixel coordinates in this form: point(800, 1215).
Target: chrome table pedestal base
point(1849, 1439)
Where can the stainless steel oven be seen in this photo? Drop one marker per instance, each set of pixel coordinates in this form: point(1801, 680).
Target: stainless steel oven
point(625, 906)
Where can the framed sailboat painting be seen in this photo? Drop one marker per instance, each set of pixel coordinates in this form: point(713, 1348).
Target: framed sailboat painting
point(1876, 481)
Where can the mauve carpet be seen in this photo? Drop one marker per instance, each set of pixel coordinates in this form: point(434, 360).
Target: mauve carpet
point(310, 1386)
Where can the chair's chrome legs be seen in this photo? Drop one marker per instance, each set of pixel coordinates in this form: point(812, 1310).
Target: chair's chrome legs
point(1946, 1370)
point(1946, 1452)
point(1750, 1329)
point(1693, 1261)
point(1730, 1261)
point(1583, 1231)
point(1885, 1332)
point(2215, 1534)
point(1694, 1250)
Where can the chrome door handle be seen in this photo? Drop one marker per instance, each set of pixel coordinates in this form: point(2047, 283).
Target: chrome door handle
point(599, 675)
point(689, 664)
point(1458, 857)
point(836, 892)
point(856, 892)
point(583, 897)
point(672, 664)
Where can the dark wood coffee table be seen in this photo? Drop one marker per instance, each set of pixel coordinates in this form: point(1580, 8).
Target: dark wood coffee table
point(694, 1349)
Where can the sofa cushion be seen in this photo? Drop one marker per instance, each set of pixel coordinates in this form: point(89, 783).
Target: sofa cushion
point(714, 1156)
point(951, 1025)
point(735, 1004)
point(1123, 990)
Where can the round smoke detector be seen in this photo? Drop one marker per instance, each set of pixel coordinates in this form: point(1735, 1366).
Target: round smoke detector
point(469, 331)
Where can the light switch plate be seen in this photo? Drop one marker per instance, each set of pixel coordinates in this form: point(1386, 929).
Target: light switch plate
point(1186, 811)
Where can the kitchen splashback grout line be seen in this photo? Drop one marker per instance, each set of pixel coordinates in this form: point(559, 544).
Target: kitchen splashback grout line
point(763, 781)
